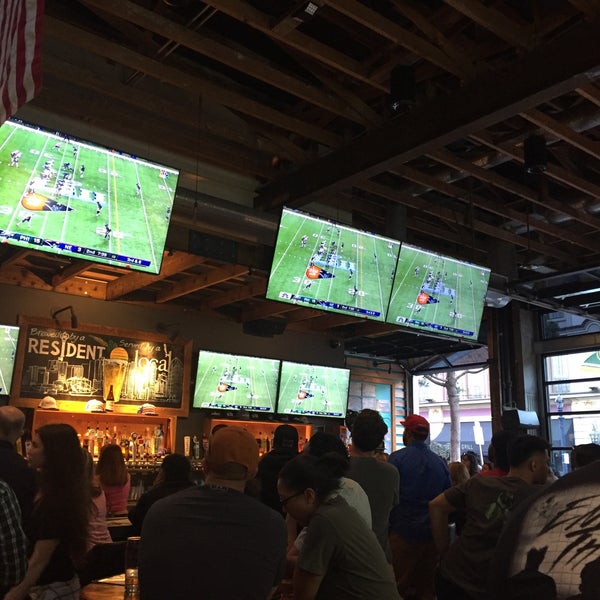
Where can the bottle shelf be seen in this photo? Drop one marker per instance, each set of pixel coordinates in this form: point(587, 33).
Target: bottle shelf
point(121, 424)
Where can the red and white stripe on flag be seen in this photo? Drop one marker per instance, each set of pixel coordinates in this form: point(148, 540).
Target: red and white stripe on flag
point(20, 53)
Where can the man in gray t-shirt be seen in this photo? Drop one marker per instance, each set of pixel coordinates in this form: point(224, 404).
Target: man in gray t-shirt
point(487, 502)
point(379, 479)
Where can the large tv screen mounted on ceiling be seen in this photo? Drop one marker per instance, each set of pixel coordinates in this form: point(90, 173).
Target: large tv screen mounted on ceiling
point(67, 196)
point(438, 294)
point(328, 266)
point(9, 336)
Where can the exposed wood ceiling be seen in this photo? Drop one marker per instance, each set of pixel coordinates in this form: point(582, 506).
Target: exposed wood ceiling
point(263, 105)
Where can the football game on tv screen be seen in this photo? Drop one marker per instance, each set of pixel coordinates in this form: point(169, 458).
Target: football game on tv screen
point(233, 382)
point(67, 196)
point(332, 267)
point(312, 390)
point(437, 293)
point(9, 337)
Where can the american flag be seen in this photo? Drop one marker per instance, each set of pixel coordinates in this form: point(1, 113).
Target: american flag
point(20, 53)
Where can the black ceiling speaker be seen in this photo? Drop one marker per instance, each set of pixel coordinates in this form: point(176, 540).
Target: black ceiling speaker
point(403, 87)
point(535, 155)
point(264, 327)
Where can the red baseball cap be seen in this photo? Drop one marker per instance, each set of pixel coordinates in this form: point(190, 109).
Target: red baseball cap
point(416, 424)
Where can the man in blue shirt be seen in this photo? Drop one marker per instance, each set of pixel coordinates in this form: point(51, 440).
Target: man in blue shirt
point(423, 476)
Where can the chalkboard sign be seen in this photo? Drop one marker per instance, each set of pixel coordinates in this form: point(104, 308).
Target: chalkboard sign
point(81, 364)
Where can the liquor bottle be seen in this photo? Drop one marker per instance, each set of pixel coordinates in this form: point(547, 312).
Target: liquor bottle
point(99, 440)
point(133, 447)
point(107, 438)
point(141, 451)
point(86, 440)
point(115, 438)
point(160, 442)
point(125, 446)
point(196, 445)
point(110, 400)
point(148, 443)
point(93, 449)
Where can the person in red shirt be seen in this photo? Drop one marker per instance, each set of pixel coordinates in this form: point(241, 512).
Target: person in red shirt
point(498, 454)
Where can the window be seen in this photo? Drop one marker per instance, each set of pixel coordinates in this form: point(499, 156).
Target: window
point(572, 398)
point(377, 396)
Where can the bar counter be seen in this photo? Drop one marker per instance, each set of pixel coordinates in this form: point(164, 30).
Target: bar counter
point(103, 591)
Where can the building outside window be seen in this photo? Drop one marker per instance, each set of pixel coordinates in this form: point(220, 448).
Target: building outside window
point(570, 359)
point(572, 395)
point(431, 402)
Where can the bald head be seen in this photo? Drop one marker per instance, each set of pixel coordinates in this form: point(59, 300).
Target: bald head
point(12, 421)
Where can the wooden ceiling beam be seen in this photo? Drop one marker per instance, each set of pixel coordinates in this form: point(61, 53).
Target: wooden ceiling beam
point(95, 110)
point(557, 173)
point(141, 100)
point(461, 239)
point(590, 92)
point(242, 11)
point(211, 48)
point(590, 8)
point(496, 208)
point(324, 75)
point(373, 329)
point(176, 263)
point(544, 73)
point(286, 22)
point(265, 310)
point(302, 314)
point(324, 322)
point(236, 294)
point(16, 258)
point(398, 35)
point(201, 86)
point(495, 21)
point(70, 272)
point(564, 132)
point(490, 176)
point(415, 13)
point(135, 36)
point(446, 214)
point(22, 277)
point(193, 283)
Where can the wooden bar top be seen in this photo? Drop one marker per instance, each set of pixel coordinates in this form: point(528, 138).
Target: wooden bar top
point(102, 591)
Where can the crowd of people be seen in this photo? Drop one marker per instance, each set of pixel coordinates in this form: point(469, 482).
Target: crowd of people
point(329, 522)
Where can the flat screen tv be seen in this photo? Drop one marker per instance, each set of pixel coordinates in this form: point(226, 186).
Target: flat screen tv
point(312, 390)
point(67, 196)
point(233, 382)
point(332, 267)
point(8, 349)
point(437, 293)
